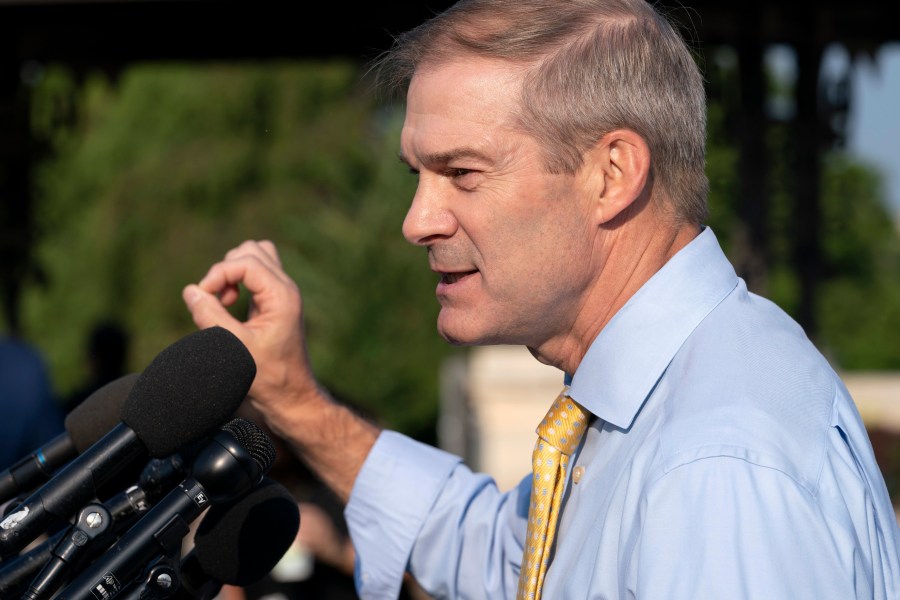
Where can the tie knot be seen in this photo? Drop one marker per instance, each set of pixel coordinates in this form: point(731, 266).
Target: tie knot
point(564, 425)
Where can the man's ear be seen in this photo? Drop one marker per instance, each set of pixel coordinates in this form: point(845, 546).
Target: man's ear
point(619, 168)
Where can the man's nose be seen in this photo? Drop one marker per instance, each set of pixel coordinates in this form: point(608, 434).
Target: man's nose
point(429, 217)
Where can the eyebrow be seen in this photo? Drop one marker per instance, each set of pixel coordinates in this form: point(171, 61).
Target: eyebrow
point(442, 158)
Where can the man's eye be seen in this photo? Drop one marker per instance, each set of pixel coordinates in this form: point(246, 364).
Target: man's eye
point(464, 179)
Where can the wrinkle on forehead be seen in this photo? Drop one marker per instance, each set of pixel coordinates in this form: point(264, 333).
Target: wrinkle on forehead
point(460, 104)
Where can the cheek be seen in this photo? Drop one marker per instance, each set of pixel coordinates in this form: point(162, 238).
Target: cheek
point(557, 254)
point(527, 264)
point(532, 242)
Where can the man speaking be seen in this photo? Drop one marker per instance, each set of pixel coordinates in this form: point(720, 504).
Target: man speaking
point(559, 150)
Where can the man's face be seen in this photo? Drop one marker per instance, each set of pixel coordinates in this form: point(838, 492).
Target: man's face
point(514, 246)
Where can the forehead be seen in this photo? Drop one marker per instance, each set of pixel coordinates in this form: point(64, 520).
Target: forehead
point(467, 102)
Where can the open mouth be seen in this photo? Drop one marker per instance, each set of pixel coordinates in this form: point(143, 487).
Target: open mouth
point(450, 278)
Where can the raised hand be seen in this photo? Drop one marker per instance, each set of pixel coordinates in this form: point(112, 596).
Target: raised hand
point(332, 439)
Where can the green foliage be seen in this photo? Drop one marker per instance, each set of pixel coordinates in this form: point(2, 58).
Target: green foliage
point(157, 175)
point(860, 310)
point(858, 299)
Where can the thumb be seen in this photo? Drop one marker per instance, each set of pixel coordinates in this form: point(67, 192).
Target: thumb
point(206, 309)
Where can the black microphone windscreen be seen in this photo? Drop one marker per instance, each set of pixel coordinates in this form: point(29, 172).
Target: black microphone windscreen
point(98, 413)
point(240, 542)
point(189, 390)
point(254, 440)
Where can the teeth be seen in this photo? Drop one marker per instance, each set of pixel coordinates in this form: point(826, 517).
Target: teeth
point(453, 277)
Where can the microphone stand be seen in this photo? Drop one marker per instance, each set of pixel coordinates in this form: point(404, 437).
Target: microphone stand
point(124, 509)
point(94, 522)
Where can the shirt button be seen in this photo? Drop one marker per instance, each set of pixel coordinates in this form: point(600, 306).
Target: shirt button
point(577, 474)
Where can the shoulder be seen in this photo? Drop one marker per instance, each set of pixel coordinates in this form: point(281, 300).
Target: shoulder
point(749, 384)
point(23, 372)
point(20, 353)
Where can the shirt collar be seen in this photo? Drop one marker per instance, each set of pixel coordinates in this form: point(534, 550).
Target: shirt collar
point(633, 350)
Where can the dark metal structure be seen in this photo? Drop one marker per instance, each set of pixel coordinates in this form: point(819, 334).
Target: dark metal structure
point(111, 34)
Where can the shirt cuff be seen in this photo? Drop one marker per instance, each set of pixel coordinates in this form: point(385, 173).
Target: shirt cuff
point(396, 488)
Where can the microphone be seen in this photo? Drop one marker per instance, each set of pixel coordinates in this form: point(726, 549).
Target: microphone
point(240, 542)
point(157, 479)
point(236, 543)
point(233, 463)
point(85, 424)
point(183, 395)
point(93, 526)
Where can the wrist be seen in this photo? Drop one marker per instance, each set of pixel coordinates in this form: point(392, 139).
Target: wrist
point(331, 438)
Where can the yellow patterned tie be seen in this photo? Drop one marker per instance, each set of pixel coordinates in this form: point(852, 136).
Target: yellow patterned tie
point(558, 436)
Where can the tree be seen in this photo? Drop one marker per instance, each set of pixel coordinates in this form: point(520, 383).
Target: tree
point(162, 171)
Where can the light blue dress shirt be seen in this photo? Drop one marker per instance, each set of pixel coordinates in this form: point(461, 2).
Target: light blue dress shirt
point(726, 461)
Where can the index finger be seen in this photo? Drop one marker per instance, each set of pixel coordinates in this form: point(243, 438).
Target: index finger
point(264, 250)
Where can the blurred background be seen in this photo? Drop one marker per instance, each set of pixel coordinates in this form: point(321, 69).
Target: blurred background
point(140, 140)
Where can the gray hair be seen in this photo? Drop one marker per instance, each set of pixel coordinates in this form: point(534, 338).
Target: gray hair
point(593, 66)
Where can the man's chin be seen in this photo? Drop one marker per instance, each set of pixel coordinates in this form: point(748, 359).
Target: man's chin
point(457, 334)
point(456, 340)
point(467, 333)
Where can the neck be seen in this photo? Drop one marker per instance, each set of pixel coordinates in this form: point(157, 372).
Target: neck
point(628, 256)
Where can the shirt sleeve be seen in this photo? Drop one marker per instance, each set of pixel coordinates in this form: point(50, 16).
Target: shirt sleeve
point(722, 527)
point(417, 508)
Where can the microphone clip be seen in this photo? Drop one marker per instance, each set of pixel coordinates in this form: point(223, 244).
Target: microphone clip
point(162, 580)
